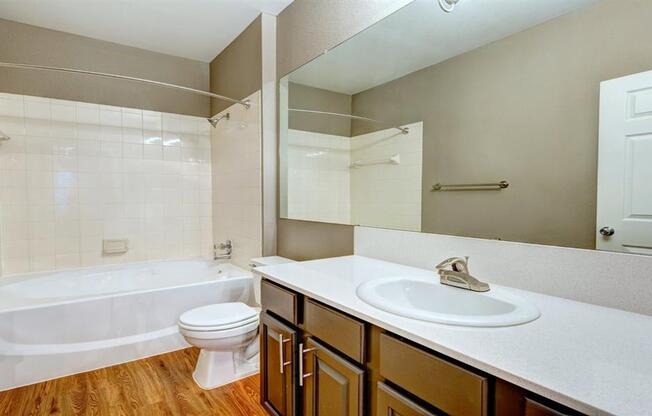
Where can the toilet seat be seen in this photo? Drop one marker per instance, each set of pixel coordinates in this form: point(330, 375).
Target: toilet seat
point(212, 334)
point(220, 320)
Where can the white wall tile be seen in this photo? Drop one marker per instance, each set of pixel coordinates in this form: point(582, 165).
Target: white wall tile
point(132, 150)
point(318, 177)
point(236, 175)
point(388, 195)
point(88, 114)
point(37, 110)
point(12, 106)
point(321, 185)
point(82, 174)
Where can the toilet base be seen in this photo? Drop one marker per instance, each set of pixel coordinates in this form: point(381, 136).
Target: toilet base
point(217, 368)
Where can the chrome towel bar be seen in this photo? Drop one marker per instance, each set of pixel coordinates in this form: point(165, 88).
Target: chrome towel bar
point(439, 187)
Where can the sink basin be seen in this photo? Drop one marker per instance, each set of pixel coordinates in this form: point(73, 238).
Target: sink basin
point(426, 299)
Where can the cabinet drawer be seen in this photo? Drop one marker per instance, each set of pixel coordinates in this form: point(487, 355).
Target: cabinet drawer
point(448, 387)
point(341, 332)
point(391, 402)
point(533, 408)
point(280, 301)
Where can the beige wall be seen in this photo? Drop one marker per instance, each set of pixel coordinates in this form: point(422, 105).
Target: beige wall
point(523, 109)
point(310, 98)
point(34, 45)
point(304, 30)
point(237, 71)
point(306, 240)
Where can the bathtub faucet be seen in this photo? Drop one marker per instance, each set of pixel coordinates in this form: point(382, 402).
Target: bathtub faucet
point(226, 248)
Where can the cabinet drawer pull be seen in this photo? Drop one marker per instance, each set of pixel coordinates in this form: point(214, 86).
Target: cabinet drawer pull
point(281, 355)
point(301, 352)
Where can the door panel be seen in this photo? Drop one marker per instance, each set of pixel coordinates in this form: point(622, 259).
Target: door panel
point(625, 164)
point(392, 403)
point(332, 386)
point(278, 388)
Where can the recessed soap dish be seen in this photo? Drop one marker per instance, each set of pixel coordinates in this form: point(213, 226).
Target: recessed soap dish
point(115, 246)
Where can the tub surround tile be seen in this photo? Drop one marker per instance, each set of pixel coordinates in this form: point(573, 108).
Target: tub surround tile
point(322, 186)
point(84, 172)
point(235, 154)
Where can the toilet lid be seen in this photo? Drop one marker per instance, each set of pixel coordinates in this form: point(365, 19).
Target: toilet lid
point(219, 315)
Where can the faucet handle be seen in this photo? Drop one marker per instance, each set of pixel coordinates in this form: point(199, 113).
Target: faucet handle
point(458, 264)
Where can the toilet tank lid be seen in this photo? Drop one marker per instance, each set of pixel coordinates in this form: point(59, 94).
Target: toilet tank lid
point(269, 261)
point(218, 314)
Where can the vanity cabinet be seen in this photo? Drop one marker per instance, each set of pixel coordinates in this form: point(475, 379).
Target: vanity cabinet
point(533, 408)
point(327, 347)
point(317, 360)
point(446, 386)
point(331, 384)
point(390, 402)
point(278, 346)
point(281, 301)
point(343, 333)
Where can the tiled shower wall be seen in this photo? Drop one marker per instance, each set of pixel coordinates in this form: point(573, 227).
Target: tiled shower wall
point(74, 174)
point(237, 182)
point(318, 178)
point(388, 196)
point(321, 185)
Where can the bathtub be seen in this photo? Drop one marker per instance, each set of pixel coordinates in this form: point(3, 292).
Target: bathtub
point(66, 322)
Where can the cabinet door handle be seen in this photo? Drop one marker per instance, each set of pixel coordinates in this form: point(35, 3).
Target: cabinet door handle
point(281, 354)
point(301, 352)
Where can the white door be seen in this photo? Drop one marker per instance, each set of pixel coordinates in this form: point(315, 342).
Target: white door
point(625, 165)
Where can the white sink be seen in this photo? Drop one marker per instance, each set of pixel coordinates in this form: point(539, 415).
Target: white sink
point(426, 299)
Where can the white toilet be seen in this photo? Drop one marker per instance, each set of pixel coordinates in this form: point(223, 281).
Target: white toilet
point(227, 334)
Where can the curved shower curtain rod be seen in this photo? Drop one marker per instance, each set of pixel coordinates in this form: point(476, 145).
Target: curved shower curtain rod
point(245, 103)
point(403, 130)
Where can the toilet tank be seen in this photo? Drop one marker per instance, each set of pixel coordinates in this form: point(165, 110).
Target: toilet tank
point(264, 261)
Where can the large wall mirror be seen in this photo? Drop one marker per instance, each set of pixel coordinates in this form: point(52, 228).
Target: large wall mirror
point(520, 120)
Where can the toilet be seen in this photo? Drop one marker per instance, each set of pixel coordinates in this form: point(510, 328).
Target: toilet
point(227, 334)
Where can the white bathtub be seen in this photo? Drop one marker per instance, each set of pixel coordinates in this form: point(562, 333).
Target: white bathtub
point(66, 322)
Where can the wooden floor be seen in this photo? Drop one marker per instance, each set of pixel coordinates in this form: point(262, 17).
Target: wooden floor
point(160, 385)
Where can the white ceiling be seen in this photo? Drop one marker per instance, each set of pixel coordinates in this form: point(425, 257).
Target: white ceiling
point(195, 29)
point(420, 35)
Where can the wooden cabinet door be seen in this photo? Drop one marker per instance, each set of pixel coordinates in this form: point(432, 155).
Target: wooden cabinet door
point(392, 403)
point(332, 386)
point(534, 408)
point(278, 371)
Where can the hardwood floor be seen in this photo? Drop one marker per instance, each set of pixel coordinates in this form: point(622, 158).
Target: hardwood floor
point(160, 385)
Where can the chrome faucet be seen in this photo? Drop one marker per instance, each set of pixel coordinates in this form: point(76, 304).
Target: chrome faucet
point(455, 272)
point(226, 247)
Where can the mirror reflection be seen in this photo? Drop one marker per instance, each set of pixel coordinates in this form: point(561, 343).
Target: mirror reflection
point(517, 120)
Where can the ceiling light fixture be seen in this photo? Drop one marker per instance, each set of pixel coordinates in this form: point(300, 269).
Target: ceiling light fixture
point(448, 5)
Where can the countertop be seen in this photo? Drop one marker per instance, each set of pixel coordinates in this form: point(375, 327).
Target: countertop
point(593, 359)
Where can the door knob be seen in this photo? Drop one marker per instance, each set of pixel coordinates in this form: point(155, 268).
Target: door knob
point(607, 231)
